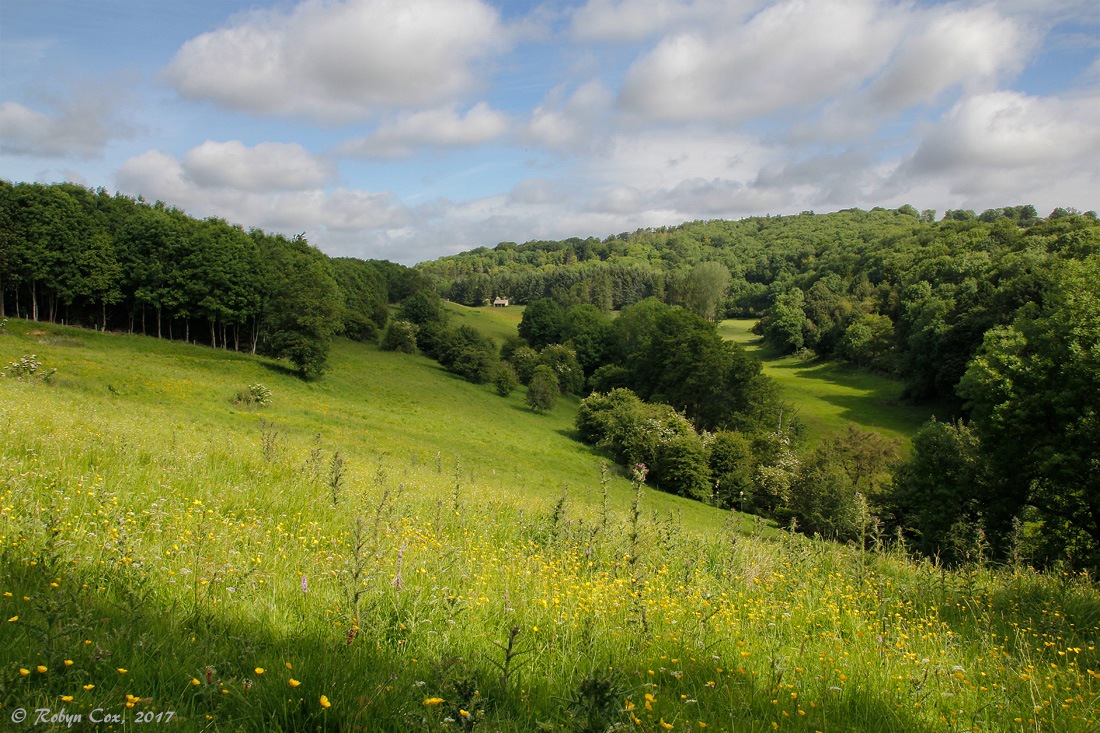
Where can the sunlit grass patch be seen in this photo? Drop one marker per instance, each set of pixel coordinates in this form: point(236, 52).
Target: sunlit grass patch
point(827, 395)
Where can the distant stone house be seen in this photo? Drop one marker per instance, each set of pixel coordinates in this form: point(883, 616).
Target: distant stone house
point(500, 303)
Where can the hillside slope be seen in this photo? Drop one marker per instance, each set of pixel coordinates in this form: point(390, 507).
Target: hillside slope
point(327, 563)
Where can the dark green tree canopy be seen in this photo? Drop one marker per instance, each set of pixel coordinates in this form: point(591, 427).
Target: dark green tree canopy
point(1034, 395)
point(542, 324)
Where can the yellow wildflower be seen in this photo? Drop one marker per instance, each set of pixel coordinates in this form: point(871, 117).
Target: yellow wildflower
point(259, 670)
point(293, 682)
point(433, 701)
point(324, 702)
point(42, 668)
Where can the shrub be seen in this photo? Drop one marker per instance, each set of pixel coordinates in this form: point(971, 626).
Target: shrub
point(681, 467)
point(543, 391)
point(601, 417)
point(474, 364)
point(610, 377)
point(654, 434)
point(824, 499)
point(401, 337)
point(256, 395)
point(358, 327)
point(470, 354)
point(28, 368)
point(524, 359)
point(563, 361)
point(732, 465)
point(505, 379)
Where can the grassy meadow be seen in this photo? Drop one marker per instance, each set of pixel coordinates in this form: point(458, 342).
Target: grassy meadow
point(497, 323)
point(828, 395)
point(393, 549)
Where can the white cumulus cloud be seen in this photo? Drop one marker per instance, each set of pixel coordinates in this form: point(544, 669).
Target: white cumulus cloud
point(948, 46)
point(264, 167)
point(636, 20)
point(794, 54)
point(340, 220)
point(579, 123)
point(1012, 145)
point(339, 61)
point(81, 128)
point(444, 128)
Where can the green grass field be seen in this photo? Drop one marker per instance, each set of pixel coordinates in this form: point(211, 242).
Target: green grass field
point(388, 549)
point(827, 395)
point(497, 323)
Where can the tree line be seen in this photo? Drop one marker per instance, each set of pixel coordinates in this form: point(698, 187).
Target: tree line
point(890, 290)
point(72, 255)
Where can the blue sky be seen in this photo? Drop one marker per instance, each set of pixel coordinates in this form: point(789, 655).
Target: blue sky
point(410, 129)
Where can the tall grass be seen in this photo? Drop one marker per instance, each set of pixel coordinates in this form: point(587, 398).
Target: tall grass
point(167, 550)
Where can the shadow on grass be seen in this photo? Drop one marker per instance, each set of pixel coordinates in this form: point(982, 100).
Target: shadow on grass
point(279, 368)
point(869, 412)
point(216, 668)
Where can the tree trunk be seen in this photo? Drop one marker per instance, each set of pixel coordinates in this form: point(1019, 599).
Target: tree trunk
point(2, 312)
point(158, 321)
point(213, 336)
point(34, 300)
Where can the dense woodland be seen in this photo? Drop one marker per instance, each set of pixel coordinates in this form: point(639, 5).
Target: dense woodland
point(71, 255)
point(997, 314)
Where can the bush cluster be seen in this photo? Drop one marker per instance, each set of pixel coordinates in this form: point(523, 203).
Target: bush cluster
point(28, 368)
point(637, 432)
point(257, 395)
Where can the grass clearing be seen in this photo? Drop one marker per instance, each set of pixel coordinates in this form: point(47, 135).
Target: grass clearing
point(496, 323)
point(166, 550)
point(828, 395)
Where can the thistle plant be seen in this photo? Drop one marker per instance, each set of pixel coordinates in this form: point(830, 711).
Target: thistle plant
point(269, 438)
point(336, 471)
